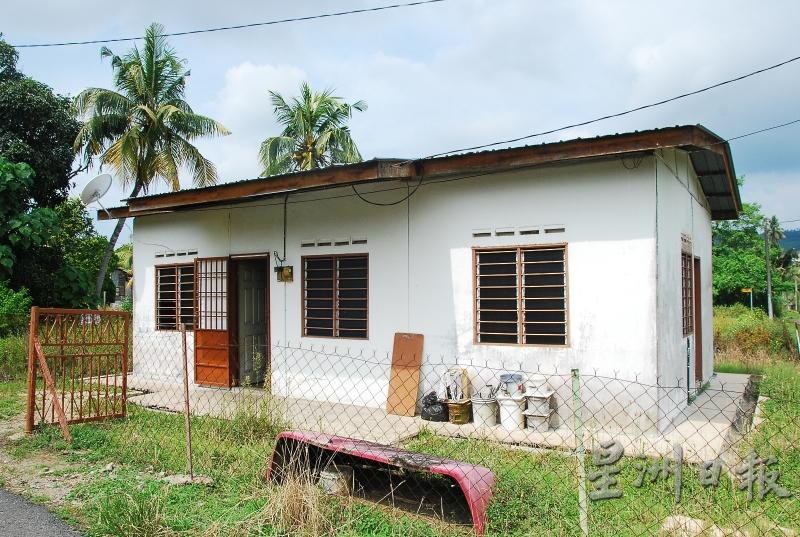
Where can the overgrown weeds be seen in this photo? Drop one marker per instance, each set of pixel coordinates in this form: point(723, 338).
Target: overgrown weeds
point(131, 512)
point(13, 356)
point(746, 341)
point(296, 507)
point(256, 415)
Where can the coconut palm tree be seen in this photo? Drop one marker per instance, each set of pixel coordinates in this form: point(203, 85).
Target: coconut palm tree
point(144, 130)
point(775, 231)
point(315, 132)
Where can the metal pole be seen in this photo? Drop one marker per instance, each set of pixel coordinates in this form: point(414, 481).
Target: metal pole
point(769, 268)
point(31, 399)
point(751, 300)
point(580, 451)
point(797, 335)
point(186, 404)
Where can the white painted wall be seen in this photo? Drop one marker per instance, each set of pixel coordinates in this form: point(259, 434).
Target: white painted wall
point(421, 277)
point(682, 209)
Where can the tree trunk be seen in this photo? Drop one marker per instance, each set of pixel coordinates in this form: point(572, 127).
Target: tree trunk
point(112, 242)
point(769, 267)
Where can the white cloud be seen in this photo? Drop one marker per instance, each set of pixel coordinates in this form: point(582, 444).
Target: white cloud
point(776, 191)
point(243, 106)
point(457, 74)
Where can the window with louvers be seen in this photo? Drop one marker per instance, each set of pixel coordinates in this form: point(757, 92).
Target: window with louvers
point(687, 294)
point(521, 295)
point(335, 296)
point(174, 297)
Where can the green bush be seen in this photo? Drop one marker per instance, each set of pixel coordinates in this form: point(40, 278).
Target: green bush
point(15, 309)
point(127, 304)
point(13, 357)
point(738, 328)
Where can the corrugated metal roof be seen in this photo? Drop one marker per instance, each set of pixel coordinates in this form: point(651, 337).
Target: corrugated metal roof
point(710, 156)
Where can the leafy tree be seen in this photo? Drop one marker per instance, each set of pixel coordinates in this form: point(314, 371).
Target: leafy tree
point(125, 256)
point(14, 308)
point(775, 231)
point(82, 246)
point(144, 130)
point(315, 133)
point(22, 227)
point(738, 257)
point(37, 127)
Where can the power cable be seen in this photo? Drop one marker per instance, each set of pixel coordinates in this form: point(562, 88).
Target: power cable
point(391, 203)
point(760, 131)
point(615, 115)
point(234, 27)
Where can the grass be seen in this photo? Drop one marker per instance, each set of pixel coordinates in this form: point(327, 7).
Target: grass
point(13, 357)
point(751, 335)
point(535, 492)
point(132, 500)
point(12, 398)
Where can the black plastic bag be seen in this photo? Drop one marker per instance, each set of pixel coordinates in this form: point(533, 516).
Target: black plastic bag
point(432, 409)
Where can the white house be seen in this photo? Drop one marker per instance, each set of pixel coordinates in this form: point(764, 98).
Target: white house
point(591, 253)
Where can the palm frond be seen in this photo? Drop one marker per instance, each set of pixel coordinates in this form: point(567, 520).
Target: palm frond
point(203, 171)
point(143, 129)
point(316, 124)
point(275, 155)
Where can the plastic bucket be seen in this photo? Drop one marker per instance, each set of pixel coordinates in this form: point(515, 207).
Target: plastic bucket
point(536, 384)
point(511, 383)
point(458, 411)
point(511, 417)
point(538, 422)
point(539, 402)
point(484, 411)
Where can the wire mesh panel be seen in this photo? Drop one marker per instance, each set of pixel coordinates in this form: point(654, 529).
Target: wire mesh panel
point(78, 364)
point(472, 445)
point(551, 450)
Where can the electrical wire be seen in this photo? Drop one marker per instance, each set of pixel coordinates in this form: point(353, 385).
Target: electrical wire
point(758, 132)
point(391, 203)
point(615, 115)
point(234, 27)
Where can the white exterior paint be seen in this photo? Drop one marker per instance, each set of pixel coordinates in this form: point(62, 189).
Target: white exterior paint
point(623, 283)
point(682, 209)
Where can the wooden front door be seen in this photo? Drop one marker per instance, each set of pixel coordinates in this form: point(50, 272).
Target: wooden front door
point(252, 279)
point(698, 325)
point(212, 334)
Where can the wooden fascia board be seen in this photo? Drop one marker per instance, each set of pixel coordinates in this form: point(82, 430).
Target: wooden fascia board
point(689, 138)
point(233, 192)
point(116, 212)
point(552, 153)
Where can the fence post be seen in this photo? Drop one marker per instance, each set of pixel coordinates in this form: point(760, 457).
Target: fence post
point(31, 407)
point(125, 360)
point(184, 359)
point(580, 451)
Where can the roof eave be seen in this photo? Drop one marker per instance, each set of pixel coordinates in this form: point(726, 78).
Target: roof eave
point(691, 138)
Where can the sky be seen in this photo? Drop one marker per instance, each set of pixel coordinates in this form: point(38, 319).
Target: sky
point(457, 73)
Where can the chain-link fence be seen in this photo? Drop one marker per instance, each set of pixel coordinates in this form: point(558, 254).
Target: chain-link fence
point(554, 451)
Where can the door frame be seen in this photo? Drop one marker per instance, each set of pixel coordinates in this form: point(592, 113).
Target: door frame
point(697, 307)
point(233, 312)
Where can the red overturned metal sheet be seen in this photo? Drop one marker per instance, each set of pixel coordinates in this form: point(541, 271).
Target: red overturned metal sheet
point(475, 482)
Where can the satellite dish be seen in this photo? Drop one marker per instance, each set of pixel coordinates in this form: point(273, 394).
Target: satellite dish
point(96, 189)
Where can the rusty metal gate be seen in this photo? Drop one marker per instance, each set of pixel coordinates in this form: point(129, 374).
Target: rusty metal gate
point(77, 366)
